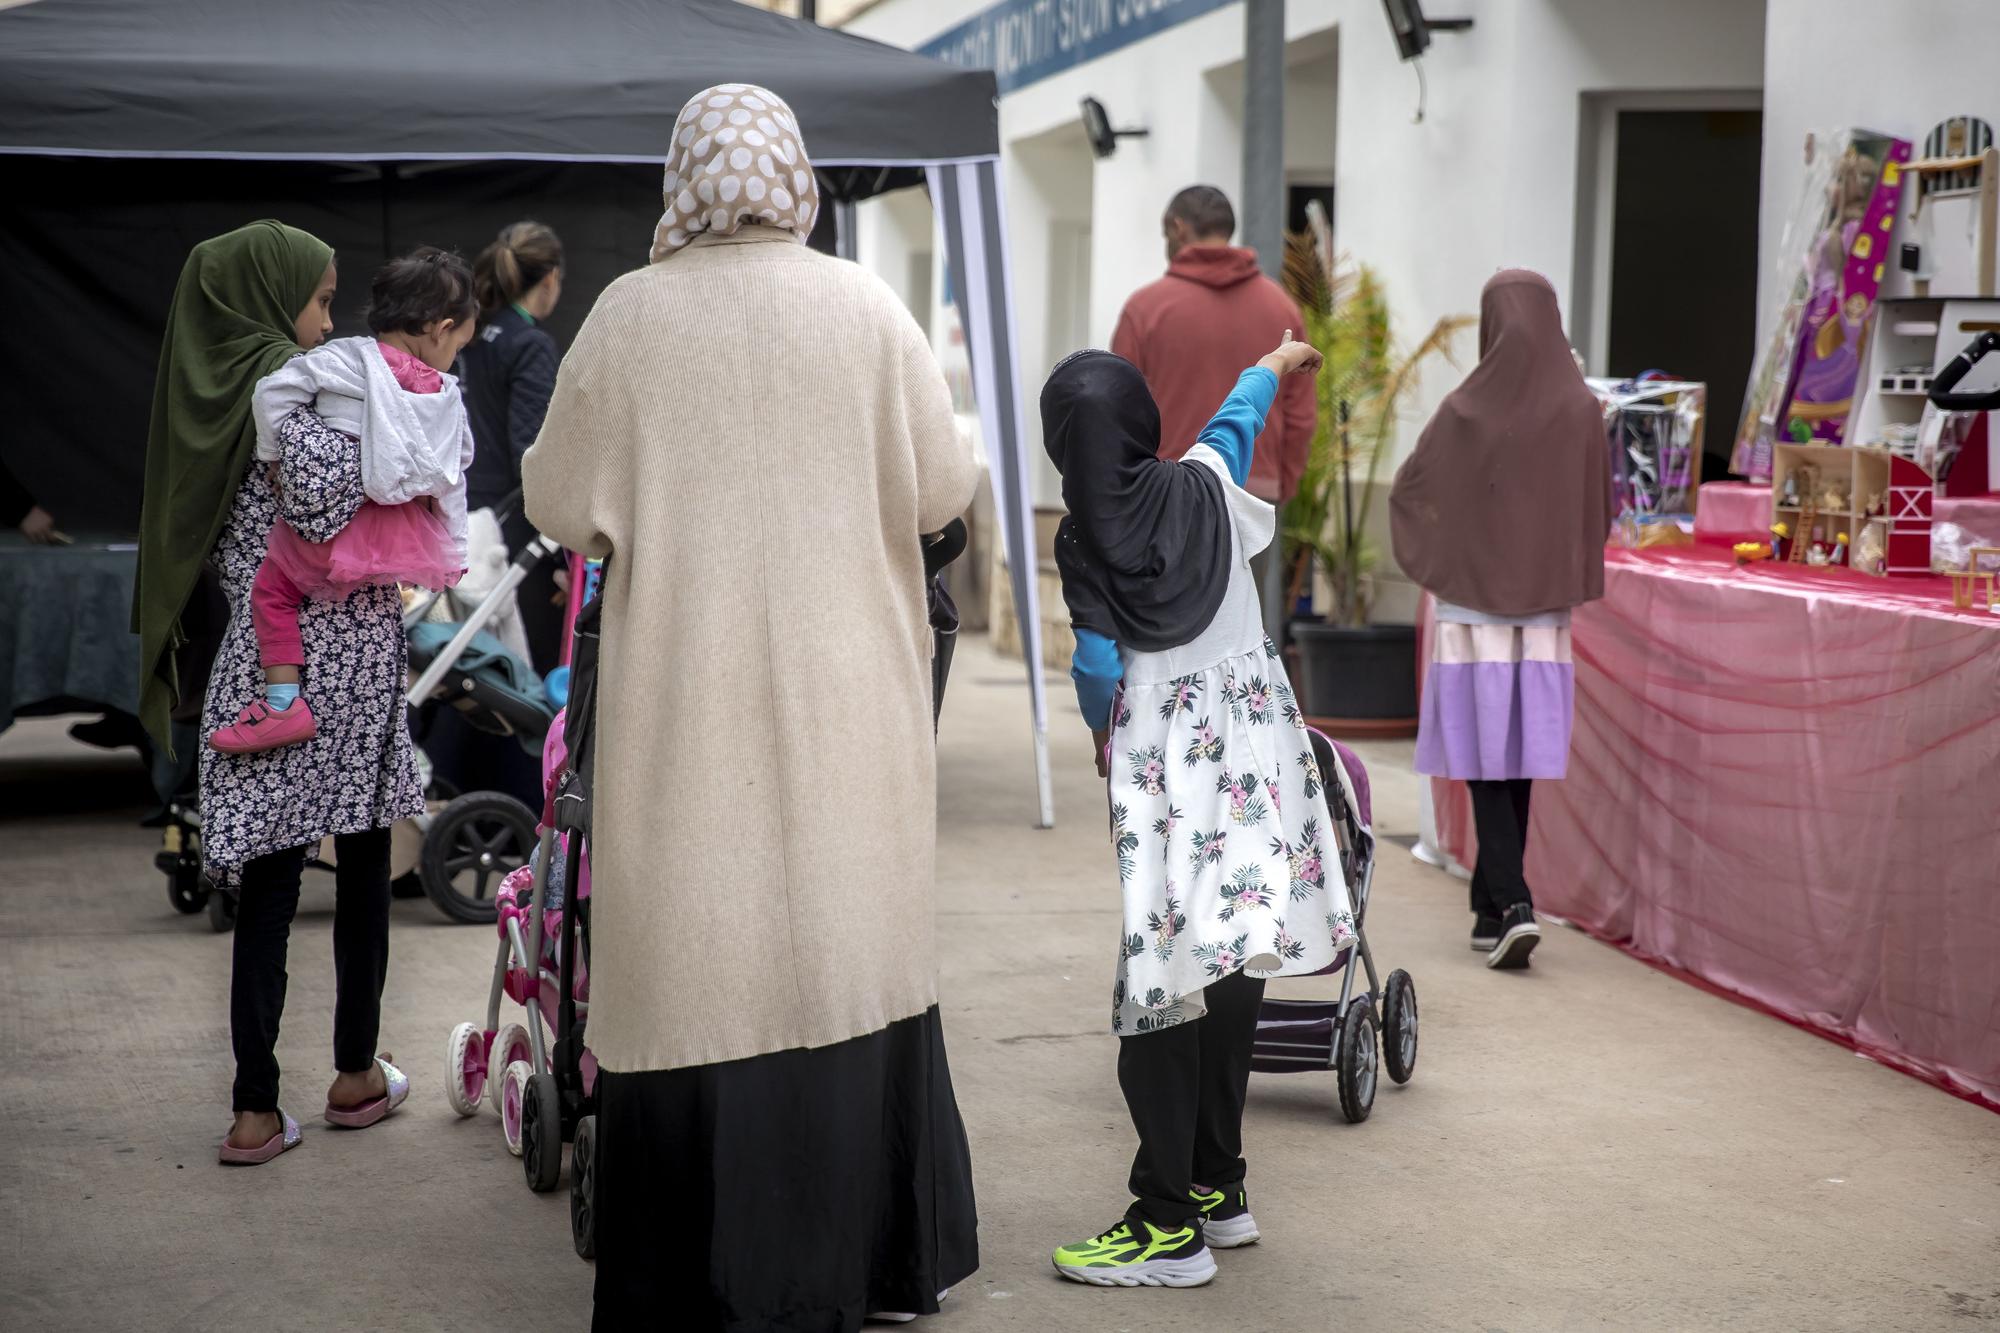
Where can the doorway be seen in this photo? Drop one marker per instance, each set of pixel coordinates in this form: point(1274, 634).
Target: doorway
point(1669, 261)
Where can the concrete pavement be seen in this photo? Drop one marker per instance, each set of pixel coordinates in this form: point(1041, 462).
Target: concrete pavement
point(1588, 1145)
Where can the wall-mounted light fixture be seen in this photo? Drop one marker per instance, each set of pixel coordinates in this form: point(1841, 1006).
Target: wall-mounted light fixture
point(1413, 34)
point(1413, 31)
point(1097, 125)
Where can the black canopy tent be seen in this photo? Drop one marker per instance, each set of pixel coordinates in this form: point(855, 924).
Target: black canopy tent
point(130, 129)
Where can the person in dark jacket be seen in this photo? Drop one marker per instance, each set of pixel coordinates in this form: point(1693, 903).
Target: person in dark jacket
point(507, 373)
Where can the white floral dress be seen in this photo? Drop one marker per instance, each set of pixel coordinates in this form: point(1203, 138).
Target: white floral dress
point(1218, 812)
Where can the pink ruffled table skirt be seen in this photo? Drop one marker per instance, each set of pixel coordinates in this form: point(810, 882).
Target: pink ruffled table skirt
point(1786, 783)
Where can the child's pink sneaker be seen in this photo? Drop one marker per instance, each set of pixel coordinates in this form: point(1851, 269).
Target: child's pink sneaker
point(261, 727)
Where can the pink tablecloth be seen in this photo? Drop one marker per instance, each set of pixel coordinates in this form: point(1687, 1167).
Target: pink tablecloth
point(1787, 783)
point(1738, 509)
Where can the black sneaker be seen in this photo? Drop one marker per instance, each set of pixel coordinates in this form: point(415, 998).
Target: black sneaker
point(1485, 932)
point(1518, 937)
point(1225, 1217)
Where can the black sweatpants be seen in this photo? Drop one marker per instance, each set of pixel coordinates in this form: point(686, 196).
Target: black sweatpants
point(268, 898)
point(1500, 814)
point(1185, 1087)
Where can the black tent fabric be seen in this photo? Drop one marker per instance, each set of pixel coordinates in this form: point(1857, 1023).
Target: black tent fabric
point(131, 129)
point(90, 252)
point(369, 80)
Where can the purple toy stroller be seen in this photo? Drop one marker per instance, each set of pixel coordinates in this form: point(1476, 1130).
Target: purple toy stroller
point(1298, 1035)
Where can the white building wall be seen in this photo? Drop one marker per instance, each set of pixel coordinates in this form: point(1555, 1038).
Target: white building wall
point(1184, 85)
point(1846, 64)
point(1488, 180)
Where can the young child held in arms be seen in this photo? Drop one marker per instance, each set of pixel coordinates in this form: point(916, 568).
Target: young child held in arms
point(389, 391)
point(1218, 815)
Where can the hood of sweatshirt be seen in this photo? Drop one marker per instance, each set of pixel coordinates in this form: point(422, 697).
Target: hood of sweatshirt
point(1215, 265)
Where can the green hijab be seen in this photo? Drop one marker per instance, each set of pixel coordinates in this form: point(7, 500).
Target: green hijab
point(231, 324)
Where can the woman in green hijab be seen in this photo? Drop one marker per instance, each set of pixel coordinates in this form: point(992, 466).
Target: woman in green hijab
point(248, 301)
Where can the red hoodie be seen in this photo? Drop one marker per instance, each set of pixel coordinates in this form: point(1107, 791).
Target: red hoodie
point(1194, 331)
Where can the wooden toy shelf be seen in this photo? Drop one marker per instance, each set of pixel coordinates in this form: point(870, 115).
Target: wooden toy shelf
point(1858, 478)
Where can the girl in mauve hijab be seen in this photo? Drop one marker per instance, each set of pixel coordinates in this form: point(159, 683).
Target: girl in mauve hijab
point(1501, 513)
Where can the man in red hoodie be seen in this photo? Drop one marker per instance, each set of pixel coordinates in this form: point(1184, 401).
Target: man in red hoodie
point(1192, 332)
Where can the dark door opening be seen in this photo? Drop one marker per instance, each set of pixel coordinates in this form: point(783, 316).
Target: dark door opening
point(1684, 256)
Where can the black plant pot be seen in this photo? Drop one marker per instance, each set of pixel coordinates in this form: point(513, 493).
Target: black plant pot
point(1365, 676)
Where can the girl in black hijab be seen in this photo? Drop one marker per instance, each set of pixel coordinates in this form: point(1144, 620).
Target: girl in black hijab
point(1217, 811)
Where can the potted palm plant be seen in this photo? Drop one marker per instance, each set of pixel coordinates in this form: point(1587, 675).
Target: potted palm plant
point(1353, 673)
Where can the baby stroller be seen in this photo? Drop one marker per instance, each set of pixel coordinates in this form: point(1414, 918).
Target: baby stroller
point(1298, 1035)
point(479, 837)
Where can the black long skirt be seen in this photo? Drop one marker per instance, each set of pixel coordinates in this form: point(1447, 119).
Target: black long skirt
point(797, 1191)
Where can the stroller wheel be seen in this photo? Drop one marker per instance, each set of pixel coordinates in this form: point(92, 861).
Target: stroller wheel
point(1355, 1061)
point(473, 844)
point(510, 1045)
point(583, 1188)
point(221, 911)
point(187, 890)
point(513, 1103)
point(541, 1132)
point(1399, 1026)
point(465, 1068)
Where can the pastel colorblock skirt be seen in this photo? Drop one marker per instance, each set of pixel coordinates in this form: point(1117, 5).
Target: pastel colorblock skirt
point(1498, 702)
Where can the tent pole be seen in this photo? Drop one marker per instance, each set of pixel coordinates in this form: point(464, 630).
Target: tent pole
point(972, 213)
point(391, 174)
point(845, 241)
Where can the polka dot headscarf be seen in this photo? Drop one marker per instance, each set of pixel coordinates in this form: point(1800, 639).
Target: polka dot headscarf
point(737, 160)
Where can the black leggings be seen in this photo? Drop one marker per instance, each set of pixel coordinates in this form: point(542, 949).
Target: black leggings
point(1500, 814)
point(1185, 1086)
point(269, 896)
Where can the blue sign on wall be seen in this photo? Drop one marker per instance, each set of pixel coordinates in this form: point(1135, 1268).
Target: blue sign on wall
point(1024, 41)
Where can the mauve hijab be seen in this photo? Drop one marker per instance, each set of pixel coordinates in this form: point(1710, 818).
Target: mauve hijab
point(1505, 505)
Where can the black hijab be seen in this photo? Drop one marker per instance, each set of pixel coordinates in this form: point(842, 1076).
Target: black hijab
point(1145, 550)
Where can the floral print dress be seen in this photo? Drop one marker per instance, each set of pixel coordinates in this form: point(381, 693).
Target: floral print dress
point(360, 772)
point(1218, 809)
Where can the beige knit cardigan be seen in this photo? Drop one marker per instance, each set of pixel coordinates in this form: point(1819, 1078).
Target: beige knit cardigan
point(756, 434)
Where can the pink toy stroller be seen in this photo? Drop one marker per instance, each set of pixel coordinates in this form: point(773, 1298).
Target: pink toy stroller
point(1298, 1035)
point(541, 1076)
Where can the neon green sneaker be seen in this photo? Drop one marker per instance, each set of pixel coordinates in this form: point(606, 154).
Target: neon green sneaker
point(1138, 1254)
point(1225, 1217)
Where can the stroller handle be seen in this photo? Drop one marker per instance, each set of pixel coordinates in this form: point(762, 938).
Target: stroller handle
point(941, 548)
point(1956, 369)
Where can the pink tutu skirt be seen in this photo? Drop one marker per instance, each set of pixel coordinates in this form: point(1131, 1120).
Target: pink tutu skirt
point(405, 543)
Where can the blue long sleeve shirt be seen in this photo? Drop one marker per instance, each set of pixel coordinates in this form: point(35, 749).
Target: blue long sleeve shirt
point(1096, 666)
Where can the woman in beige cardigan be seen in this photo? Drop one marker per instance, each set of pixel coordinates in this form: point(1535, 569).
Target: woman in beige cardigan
point(757, 435)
